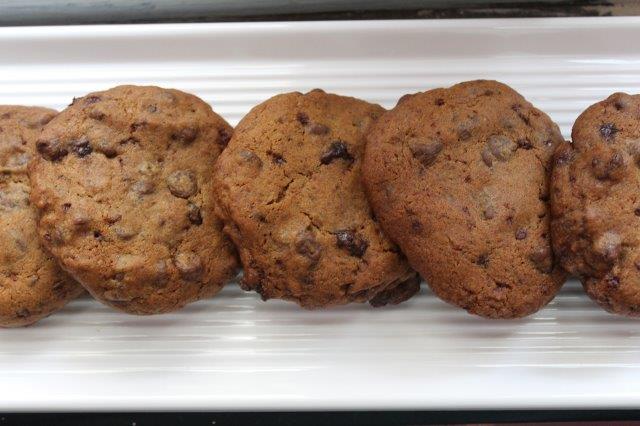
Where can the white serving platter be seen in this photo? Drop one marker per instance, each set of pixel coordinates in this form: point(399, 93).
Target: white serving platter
point(235, 352)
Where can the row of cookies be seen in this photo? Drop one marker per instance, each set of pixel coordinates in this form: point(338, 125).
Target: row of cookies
point(137, 190)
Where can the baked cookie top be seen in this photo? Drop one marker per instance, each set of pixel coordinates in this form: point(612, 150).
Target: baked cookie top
point(123, 185)
point(458, 178)
point(291, 197)
point(31, 284)
point(596, 203)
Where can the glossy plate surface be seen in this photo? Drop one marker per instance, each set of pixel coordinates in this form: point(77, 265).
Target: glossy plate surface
point(237, 353)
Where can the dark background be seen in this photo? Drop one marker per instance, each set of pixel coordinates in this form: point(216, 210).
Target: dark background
point(66, 12)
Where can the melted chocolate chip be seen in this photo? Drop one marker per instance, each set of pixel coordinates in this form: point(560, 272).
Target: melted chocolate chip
point(608, 130)
point(52, 150)
point(483, 260)
point(223, 137)
point(337, 150)
point(439, 102)
point(426, 152)
point(194, 214)
point(82, 148)
point(185, 135)
point(318, 129)
point(97, 115)
point(276, 158)
point(307, 245)
point(302, 118)
point(92, 99)
point(353, 243)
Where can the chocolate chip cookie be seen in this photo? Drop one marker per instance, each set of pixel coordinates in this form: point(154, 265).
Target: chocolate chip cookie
point(32, 286)
point(293, 203)
point(458, 179)
point(123, 185)
point(595, 203)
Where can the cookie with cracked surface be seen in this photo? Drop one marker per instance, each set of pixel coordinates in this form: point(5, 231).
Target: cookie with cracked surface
point(32, 286)
point(458, 178)
point(123, 185)
point(595, 203)
point(293, 203)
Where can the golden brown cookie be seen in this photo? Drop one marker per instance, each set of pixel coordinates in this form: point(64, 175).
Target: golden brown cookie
point(32, 286)
point(293, 203)
point(595, 201)
point(458, 179)
point(123, 185)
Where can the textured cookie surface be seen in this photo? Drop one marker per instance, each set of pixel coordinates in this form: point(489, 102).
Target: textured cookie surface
point(32, 286)
point(123, 185)
point(291, 196)
point(457, 177)
point(596, 203)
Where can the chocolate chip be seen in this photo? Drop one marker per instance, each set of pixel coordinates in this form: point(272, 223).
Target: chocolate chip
point(483, 260)
point(612, 281)
point(524, 144)
point(318, 129)
point(307, 245)
point(52, 150)
point(138, 125)
point(82, 148)
point(564, 156)
point(542, 259)
point(416, 225)
point(426, 151)
point(501, 147)
point(637, 211)
point(107, 148)
point(302, 118)
point(189, 264)
point(182, 183)
point(66, 207)
point(97, 115)
point(23, 313)
point(521, 234)
point(612, 169)
point(439, 102)
point(487, 158)
point(152, 108)
point(223, 137)
point(91, 99)
point(337, 150)
point(517, 108)
point(276, 158)
point(464, 135)
point(396, 294)
point(185, 135)
point(608, 130)
point(353, 243)
point(143, 187)
point(193, 213)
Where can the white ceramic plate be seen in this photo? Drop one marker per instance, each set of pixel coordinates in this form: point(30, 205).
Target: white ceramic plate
point(237, 353)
